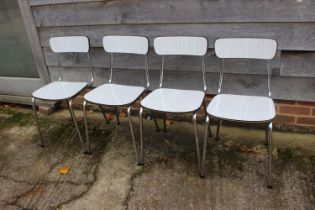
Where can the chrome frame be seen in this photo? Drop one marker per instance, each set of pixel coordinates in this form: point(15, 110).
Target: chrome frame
point(68, 102)
point(194, 114)
point(268, 129)
point(129, 107)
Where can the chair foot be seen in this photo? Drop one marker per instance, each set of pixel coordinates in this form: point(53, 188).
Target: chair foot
point(140, 164)
point(269, 186)
point(87, 153)
point(201, 176)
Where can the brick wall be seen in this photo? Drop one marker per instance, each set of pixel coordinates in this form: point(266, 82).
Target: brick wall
point(295, 116)
point(292, 116)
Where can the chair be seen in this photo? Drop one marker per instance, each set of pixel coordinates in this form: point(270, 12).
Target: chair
point(63, 90)
point(242, 108)
point(179, 101)
point(118, 95)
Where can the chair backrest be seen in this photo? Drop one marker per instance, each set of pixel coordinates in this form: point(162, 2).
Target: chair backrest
point(69, 44)
point(137, 45)
point(126, 44)
point(181, 45)
point(249, 48)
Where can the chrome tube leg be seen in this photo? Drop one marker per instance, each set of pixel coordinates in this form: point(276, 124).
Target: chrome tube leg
point(197, 140)
point(164, 124)
point(266, 134)
point(155, 122)
point(270, 155)
point(104, 114)
point(117, 116)
point(141, 162)
point(86, 127)
point(205, 109)
point(69, 103)
point(37, 123)
point(204, 153)
point(132, 134)
point(218, 130)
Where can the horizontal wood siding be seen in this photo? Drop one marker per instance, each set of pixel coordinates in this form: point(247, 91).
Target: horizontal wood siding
point(290, 36)
point(291, 23)
point(174, 11)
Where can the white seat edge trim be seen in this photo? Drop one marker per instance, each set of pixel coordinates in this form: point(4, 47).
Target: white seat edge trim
point(67, 44)
point(242, 108)
point(59, 90)
point(114, 94)
point(126, 44)
point(250, 48)
point(181, 45)
point(173, 100)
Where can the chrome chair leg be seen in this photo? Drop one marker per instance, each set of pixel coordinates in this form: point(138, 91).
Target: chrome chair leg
point(155, 122)
point(218, 130)
point(270, 155)
point(132, 134)
point(164, 124)
point(117, 116)
point(196, 139)
point(104, 114)
point(69, 103)
point(86, 127)
point(37, 123)
point(141, 162)
point(205, 109)
point(266, 133)
point(204, 153)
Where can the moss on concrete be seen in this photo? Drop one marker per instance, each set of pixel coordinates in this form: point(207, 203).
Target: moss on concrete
point(19, 117)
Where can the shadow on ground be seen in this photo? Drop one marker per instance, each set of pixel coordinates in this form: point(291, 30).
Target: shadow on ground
point(109, 178)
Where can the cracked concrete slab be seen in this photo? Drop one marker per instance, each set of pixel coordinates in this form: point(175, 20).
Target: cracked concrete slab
point(110, 179)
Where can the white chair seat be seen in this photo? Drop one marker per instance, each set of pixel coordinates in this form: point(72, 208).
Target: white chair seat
point(242, 108)
point(114, 95)
point(173, 100)
point(59, 90)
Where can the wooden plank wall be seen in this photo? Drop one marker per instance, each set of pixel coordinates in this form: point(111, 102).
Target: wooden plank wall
point(290, 22)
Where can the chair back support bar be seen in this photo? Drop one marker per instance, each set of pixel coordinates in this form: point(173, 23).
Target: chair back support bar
point(69, 44)
point(249, 48)
point(126, 44)
point(181, 45)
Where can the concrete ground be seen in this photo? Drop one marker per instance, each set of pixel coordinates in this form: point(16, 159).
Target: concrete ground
point(109, 178)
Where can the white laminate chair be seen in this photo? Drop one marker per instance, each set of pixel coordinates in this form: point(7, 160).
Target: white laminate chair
point(167, 100)
point(63, 90)
point(242, 108)
point(118, 95)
